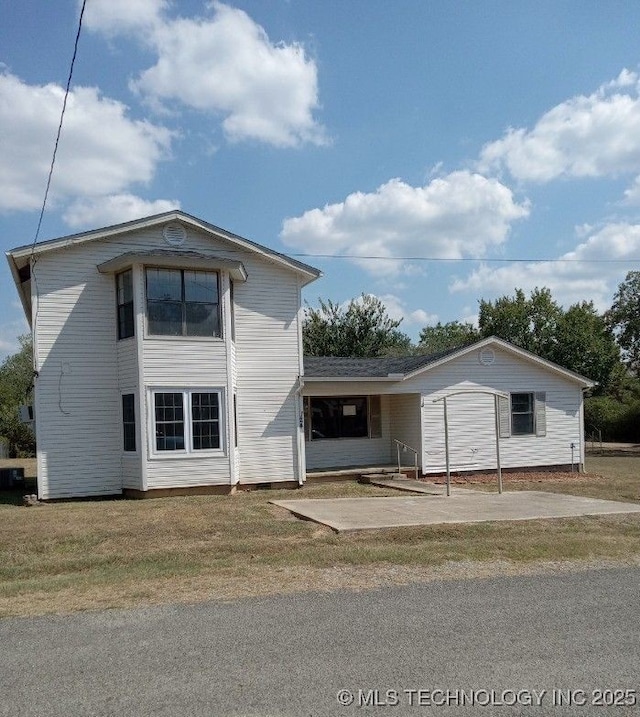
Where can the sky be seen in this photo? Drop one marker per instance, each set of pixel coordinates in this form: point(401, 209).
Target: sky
point(426, 152)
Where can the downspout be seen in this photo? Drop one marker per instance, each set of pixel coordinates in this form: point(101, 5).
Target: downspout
point(302, 463)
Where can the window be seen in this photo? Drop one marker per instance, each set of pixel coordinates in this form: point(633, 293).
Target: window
point(342, 417)
point(128, 422)
point(124, 293)
point(523, 414)
point(187, 421)
point(182, 302)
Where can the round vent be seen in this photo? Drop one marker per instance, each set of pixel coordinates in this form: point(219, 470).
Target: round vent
point(487, 357)
point(174, 234)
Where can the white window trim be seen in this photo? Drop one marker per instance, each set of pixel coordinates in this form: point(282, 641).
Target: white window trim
point(165, 337)
point(187, 452)
point(136, 414)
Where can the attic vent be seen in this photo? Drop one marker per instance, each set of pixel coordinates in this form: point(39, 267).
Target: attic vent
point(487, 357)
point(174, 234)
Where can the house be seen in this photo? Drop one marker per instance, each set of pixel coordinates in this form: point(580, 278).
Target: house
point(168, 357)
point(491, 387)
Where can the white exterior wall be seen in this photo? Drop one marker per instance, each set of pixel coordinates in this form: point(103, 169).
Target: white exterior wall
point(471, 418)
point(84, 369)
point(406, 424)
point(267, 365)
point(333, 453)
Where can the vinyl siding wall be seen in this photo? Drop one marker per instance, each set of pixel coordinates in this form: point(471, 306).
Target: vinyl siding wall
point(83, 370)
point(471, 417)
point(267, 366)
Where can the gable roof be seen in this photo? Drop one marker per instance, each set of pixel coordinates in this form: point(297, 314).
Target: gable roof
point(327, 368)
point(390, 368)
point(20, 258)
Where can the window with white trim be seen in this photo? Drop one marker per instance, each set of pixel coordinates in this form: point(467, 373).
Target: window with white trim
point(342, 417)
point(524, 413)
point(124, 297)
point(128, 422)
point(186, 421)
point(182, 302)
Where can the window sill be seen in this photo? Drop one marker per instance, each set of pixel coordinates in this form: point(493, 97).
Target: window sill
point(185, 455)
point(198, 339)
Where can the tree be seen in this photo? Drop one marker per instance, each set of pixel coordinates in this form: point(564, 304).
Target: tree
point(624, 320)
point(16, 378)
point(529, 323)
point(586, 345)
point(362, 329)
point(442, 337)
point(577, 338)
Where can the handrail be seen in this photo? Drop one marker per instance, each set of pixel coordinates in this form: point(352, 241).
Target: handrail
point(406, 447)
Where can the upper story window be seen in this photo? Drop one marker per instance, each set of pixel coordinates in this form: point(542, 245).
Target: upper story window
point(124, 293)
point(182, 302)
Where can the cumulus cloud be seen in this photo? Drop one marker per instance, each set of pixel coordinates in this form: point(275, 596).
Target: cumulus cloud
point(579, 274)
point(116, 16)
point(459, 215)
point(114, 209)
point(223, 64)
point(586, 136)
point(102, 150)
point(397, 309)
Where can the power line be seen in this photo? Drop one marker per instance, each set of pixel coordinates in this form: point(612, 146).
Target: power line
point(465, 259)
point(64, 107)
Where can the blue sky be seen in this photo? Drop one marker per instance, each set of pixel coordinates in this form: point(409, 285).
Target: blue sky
point(476, 135)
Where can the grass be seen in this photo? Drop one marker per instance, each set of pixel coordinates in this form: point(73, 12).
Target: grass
point(116, 553)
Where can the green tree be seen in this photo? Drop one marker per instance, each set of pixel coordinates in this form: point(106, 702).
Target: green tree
point(624, 319)
point(577, 338)
point(586, 345)
point(442, 337)
point(529, 323)
point(16, 377)
point(361, 329)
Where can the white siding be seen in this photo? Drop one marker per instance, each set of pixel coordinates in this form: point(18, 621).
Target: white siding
point(471, 418)
point(329, 453)
point(267, 365)
point(405, 424)
point(83, 369)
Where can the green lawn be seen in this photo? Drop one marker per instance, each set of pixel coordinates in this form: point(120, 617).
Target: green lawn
point(83, 555)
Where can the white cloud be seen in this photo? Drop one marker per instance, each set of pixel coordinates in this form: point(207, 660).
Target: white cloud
point(14, 325)
point(459, 215)
point(581, 274)
point(116, 16)
point(101, 151)
point(223, 64)
point(114, 209)
point(632, 194)
point(585, 136)
point(397, 309)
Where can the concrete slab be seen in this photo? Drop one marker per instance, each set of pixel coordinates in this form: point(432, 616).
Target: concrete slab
point(411, 485)
point(463, 506)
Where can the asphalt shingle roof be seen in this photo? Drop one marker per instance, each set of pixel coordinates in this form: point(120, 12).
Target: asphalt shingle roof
point(341, 367)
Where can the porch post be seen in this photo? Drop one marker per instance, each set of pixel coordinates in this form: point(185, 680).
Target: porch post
point(446, 445)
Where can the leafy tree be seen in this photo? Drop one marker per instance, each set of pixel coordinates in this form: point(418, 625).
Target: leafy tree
point(441, 337)
point(586, 345)
point(577, 338)
point(16, 377)
point(529, 323)
point(361, 329)
point(624, 319)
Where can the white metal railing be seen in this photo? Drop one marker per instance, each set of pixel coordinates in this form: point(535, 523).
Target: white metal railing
point(403, 447)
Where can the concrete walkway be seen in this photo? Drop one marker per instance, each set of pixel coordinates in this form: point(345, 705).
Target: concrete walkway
point(463, 506)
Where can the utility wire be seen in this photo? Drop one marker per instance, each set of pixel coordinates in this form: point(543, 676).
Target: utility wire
point(465, 259)
point(55, 148)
